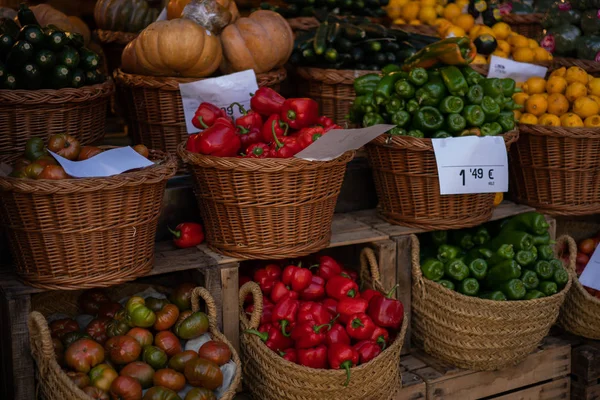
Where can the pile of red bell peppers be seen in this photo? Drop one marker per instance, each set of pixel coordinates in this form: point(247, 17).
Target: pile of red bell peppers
point(318, 317)
point(273, 128)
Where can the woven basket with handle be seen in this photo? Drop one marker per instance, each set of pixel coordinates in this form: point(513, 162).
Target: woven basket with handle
point(80, 233)
point(269, 377)
point(268, 208)
point(53, 383)
point(474, 333)
point(528, 25)
point(408, 189)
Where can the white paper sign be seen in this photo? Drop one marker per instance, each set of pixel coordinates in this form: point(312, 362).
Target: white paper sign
point(163, 15)
point(520, 72)
point(221, 92)
point(471, 164)
point(108, 163)
point(338, 141)
point(590, 276)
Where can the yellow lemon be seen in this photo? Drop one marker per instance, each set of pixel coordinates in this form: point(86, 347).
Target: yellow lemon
point(571, 120)
point(501, 30)
point(518, 41)
point(410, 10)
point(455, 31)
point(415, 22)
point(557, 104)
point(439, 10)
point(427, 14)
point(462, 4)
point(520, 98)
point(562, 71)
point(465, 21)
point(479, 59)
point(503, 46)
point(523, 54)
point(500, 53)
point(452, 10)
point(394, 12)
point(399, 21)
point(540, 54)
point(536, 104)
point(594, 86)
point(576, 74)
point(595, 98)
point(428, 3)
point(592, 122)
point(556, 84)
point(535, 85)
point(549, 120)
point(575, 90)
point(517, 114)
point(585, 107)
point(529, 119)
point(532, 44)
point(441, 24)
point(474, 32)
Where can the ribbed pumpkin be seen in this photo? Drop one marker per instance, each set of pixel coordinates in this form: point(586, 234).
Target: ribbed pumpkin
point(261, 42)
point(173, 48)
point(175, 8)
point(124, 15)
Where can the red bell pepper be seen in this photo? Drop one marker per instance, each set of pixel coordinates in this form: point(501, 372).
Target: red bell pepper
point(248, 120)
point(300, 112)
point(280, 291)
point(331, 306)
point(348, 306)
point(327, 267)
point(307, 136)
point(342, 356)
point(360, 327)
point(258, 150)
point(286, 147)
point(266, 101)
point(337, 334)
point(267, 313)
point(187, 234)
point(367, 350)
point(274, 126)
point(285, 312)
point(206, 115)
point(368, 294)
point(309, 311)
point(381, 337)
point(386, 312)
point(296, 277)
point(308, 334)
point(272, 337)
point(339, 287)
point(192, 143)
point(314, 291)
point(220, 140)
point(327, 123)
point(266, 277)
point(249, 137)
point(350, 274)
point(289, 354)
point(313, 358)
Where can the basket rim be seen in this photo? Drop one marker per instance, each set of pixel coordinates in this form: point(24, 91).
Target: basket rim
point(560, 131)
point(120, 37)
point(332, 76)
point(426, 144)
point(522, 19)
point(57, 96)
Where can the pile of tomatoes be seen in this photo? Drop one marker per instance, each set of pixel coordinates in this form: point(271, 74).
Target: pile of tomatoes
point(585, 249)
point(136, 352)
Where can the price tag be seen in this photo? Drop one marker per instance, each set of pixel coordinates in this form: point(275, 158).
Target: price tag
point(471, 164)
point(590, 276)
point(520, 72)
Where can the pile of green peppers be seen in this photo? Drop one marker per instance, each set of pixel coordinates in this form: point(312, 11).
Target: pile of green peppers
point(507, 260)
point(437, 103)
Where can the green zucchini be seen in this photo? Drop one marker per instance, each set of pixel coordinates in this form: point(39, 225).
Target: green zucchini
point(9, 27)
point(69, 57)
point(93, 77)
point(10, 82)
point(32, 33)
point(26, 16)
point(21, 52)
point(331, 55)
point(3, 72)
point(88, 59)
point(357, 54)
point(353, 32)
point(6, 43)
point(343, 45)
point(380, 59)
point(309, 55)
point(56, 40)
point(320, 43)
point(391, 57)
point(78, 78)
point(45, 59)
point(332, 32)
point(31, 76)
point(60, 77)
point(373, 46)
point(391, 45)
point(75, 40)
point(374, 30)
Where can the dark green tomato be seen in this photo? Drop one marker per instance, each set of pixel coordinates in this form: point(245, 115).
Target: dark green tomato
point(154, 357)
point(193, 326)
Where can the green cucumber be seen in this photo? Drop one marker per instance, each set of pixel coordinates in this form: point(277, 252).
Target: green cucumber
point(88, 59)
point(31, 76)
point(320, 44)
point(3, 72)
point(33, 34)
point(357, 54)
point(373, 46)
point(93, 77)
point(78, 78)
point(26, 16)
point(69, 57)
point(21, 52)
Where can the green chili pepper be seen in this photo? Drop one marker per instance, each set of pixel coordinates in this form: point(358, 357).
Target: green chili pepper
point(525, 258)
point(533, 294)
point(490, 108)
point(34, 148)
point(548, 288)
point(372, 118)
point(431, 93)
point(544, 269)
point(506, 119)
point(441, 135)
point(401, 118)
point(456, 269)
point(475, 95)
point(446, 283)
point(520, 240)
point(469, 287)
point(394, 104)
point(514, 289)
point(428, 119)
point(502, 272)
point(481, 236)
point(545, 251)
point(454, 80)
point(496, 296)
point(462, 238)
point(397, 131)
point(474, 115)
point(390, 68)
point(412, 106)
point(404, 89)
point(447, 252)
point(366, 83)
point(504, 252)
point(455, 122)
point(478, 268)
point(531, 222)
point(492, 87)
point(491, 129)
point(561, 277)
point(385, 86)
point(530, 279)
point(415, 133)
point(508, 87)
point(473, 77)
point(451, 105)
point(439, 237)
point(418, 76)
point(432, 269)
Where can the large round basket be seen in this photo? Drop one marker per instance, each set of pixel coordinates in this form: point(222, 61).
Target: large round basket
point(268, 208)
point(590, 66)
point(426, 30)
point(53, 383)
point(474, 333)
point(269, 377)
point(555, 169)
point(27, 113)
point(528, 25)
point(155, 111)
point(407, 183)
point(332, 88)
point(113, 44)
point(81, 233)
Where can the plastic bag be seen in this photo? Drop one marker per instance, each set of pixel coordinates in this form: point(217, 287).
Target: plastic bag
point(208, 14)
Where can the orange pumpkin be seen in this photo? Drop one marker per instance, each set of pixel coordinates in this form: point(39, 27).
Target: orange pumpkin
point(261, 42)
point(175, 8)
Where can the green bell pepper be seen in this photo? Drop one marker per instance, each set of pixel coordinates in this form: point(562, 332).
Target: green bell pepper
point(462, 238)
point(492, 87)
point(394, 103)
point(531, 222)
point(390, 68)
point(418, 76)
point(469, 287)
point(545, 252)
point(474, 115)
point(561, 277)
point(514, 289)
point(530, 279)
point(525, 258)
point(446, 283)
point(452, 105)
point(496, 296)
point(431, 93)
point(412, 106)
point(432, 269)
point(502, 272)
point(485, 253)
point(366, 83)
point(441, 135)
point(385, 86)
point(475, 95)
point(428, 119)
point(456, 269)
point(473, 77)
point(454, 80)
point(506, 119)
point(509, 87)
point(447, 252)
point(415, 133)
point(555, 264)
point(533, 294)
point(401, 118)
point(439, 237)
point(35, 148)
point(490, 108)
point(504, 252)
point(543, 239)
point(520, 240)
point(404, 89)
point(372, 118)
point(478, 268)
point(548, 288)
point(511, 105)
point(397, 131)
point(481, 236)
point(544, 269)
point(455, 123)
point(491, 129)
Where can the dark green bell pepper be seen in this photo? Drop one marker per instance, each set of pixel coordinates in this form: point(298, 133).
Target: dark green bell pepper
point(401, 118)
point(394, 103)
point(475, 95)
point(474, 115)
point(447, 284)
point(514, 289)
point(447, 252)
point(481, 236)
point(506, 119)
point(519, 239)
point(385, 86)
point(432, 269)
point(561, 277)
point(404, 89)
point(428, 119)
point(397, 131)
point(525, 258)
point(366, 83)
point(451, 105)
point(432, 93)
point(454, 80)
point(477, 268)
point(390, 68)
point(456, 269)
point(492, 87)
point(502, 272)
point(533, 294)
point(415, 133)
point(544, 269)
point(509, 87)
point(473, 77)
point(496, 296)
point(469, 287)
point(530, 279)
point(491, 129)
point(504, 252)
point(439, 237)
point(548, 288)
point(412, 106)
point(531, 222)
point(455, 123)
point(441, 135)
point(543, 239)
point(372, 118)
point(490, 108)
point(545, 252)
point(462, 238)
point(418, 76)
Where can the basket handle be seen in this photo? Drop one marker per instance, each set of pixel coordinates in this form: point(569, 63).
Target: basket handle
point(571, 247)
point(200, 292)
point(253, 289)
point(369, 268)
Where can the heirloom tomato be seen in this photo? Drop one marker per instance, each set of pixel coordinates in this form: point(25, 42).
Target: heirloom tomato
point(200, 394)
point(217, 352)
point(160, 393)
point(178, 361)
point(72, 337)
point(59, 351)
point(80, 379)
point(102, 376)
point(90, 300)
point(84, 354)
point(60, 327)
point(141, 371)
point(143, 336)
point(65, 146)
point(156, 304)
point(116, 327)
point(88, 152)
point(168, 342)
point(193, 326)
point(97, 329)
point(125, 388)
point(166, 317)
point(154, 356)
point(140, 315)
point(122, 349)
point(182, 296)
point(109, 310)
point(170, 379)
point(203, 373)
point(95, 393)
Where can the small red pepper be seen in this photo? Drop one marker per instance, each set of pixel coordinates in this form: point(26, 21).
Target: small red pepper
point(381, 336)
point(325, 121)
point(272, 337)
point(206, 115)
point(339, 287)
point(368, 294)
point(248, 137)
point(385, 311)
point(280, 291)
point(367, 350)
point(313, 358)
point(337, 334)
point(274, 126)
point(220, 140)
point(300, 112)
point(286, 147)
point(266, 277)
point(360, 327)
point(289, 354)
point(314, 291)
point(309, 311)
point(187, 234)
point(331, 306)
point(248, 120)
point(342, 356)
point(285, 312)
point(308, 334)
point(327, 267)
point(258, 150)
point(307, 136)
point(348, 306)
point(266, 101)
point(296, 277)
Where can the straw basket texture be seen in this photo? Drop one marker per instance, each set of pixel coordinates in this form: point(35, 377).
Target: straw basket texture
point(269, 377)
point(590, 66)
point(407, 184)
point(332, 88)
point(528, 25)
point(475, 333)
point(27, 113)
point(580, 313)
point(266, 208)
point(53, 383)
point(555, 169)
point(155, 109)
point(113, 44)
point(81, 233)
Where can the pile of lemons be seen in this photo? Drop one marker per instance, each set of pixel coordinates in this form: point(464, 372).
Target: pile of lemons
point(423, 11)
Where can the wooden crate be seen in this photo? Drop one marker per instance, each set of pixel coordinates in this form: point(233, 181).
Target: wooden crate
point(585, 365)
point(544, 375)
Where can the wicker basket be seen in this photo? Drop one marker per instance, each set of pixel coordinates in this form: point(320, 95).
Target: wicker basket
point(28, 113)
point(528, 25)
point(266, 208)
point(426, 30)
point(556, 170)
point(269, 377)
point(113, 43)
point(81, 233)
point(407, 184)
point(53, 383)
point(332, 88)
point(474, 333)
point(155, 109)
point(590, 66)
